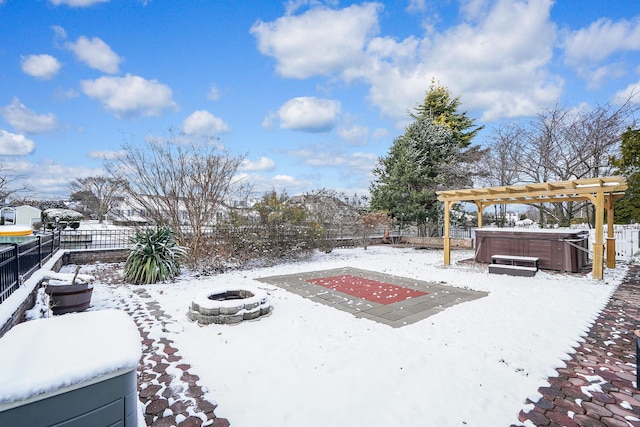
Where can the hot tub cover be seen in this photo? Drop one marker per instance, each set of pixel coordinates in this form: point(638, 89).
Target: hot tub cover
point(44, 355)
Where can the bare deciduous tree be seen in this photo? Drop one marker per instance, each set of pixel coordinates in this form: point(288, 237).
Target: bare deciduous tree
point(182, 185)
point(325, 211)
point(337, 215)
point(10, 183)
point(499, 165)
point(99, 194)
point(561, 144)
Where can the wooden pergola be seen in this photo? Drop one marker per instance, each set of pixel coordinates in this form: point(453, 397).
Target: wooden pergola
point(601, 192)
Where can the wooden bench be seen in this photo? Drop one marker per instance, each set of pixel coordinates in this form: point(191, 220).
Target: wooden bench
point(514, 265)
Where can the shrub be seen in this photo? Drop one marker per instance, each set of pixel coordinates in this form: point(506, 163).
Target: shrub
point(155, 256)
point(61, 215)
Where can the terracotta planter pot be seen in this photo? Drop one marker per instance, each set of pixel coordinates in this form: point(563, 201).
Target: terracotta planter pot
point(69, 298)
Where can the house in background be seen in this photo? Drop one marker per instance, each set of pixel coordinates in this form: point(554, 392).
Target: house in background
point(21, 215)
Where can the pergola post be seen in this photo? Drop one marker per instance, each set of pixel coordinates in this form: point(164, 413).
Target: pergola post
point(480, 210)
point(598, 245)
point(611, 239)
point(447, 241)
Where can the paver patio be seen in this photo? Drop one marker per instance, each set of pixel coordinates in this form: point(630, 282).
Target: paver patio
point(393, 300)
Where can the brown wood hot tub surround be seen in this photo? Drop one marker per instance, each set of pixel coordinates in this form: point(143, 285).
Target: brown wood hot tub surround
point(561, 250)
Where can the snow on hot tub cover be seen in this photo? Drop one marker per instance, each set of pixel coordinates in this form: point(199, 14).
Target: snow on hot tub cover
point(44, 355)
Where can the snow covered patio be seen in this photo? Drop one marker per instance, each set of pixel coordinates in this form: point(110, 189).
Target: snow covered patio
point(392, 300)
point(474, 363)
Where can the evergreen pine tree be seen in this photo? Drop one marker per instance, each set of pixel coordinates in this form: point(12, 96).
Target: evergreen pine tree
point(442, 108)
point(419, 163)
point(433, 154)
point(627, 209)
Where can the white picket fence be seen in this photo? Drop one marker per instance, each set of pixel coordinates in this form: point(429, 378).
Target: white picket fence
point(627, 241)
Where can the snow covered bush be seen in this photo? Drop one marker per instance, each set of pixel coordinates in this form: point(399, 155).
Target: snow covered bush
point(155, 256)
point(61, 217)
point(41, 308)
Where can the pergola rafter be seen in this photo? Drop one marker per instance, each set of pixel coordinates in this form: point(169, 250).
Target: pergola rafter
point(601, 192)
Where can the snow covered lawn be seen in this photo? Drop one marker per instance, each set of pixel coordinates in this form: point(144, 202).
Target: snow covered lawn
point(308, 364)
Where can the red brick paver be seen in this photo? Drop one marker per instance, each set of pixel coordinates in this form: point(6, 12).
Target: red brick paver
point(598, 386)
point(167, 388)
point(175, 398)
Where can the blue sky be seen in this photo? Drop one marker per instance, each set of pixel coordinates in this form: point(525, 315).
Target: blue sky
point(312, 92)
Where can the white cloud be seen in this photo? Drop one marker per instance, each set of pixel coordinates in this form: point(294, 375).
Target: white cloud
point(263, 164)
point(380, 133)
point(130, 96)
point(595, 76)
point(63, 94)
point(292, 6)
point(202, 122)
point(262, 184)
point(320, 41)
point(309, 114)
point(354, 134)
point(77, 3)
point(600, 40)
point(319, 156)
point(40, 66)
point(214, 93)
point(12, 144)
point(631, 92)
point(475, 10)
point(51, 179)
point(106, 154)
point(267, 122)
point(322, 157)
point(59, 33)
point(500, 64)
point(27, 121)
point(415, 6)
point(285, 180)
point(96, 54)
point(587, 48)
point(498, 59)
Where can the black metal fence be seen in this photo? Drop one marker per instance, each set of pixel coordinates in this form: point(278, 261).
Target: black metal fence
point(96, 239)
point(19, 260)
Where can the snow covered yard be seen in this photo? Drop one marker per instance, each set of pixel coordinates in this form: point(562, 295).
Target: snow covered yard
point(309, 364)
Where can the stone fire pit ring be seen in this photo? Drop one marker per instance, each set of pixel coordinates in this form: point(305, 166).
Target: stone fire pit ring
point(229, 305)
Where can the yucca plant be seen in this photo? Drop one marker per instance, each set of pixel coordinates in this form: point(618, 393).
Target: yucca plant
point(155, 256)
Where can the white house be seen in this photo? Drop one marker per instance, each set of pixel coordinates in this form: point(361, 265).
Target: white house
point(21, 215)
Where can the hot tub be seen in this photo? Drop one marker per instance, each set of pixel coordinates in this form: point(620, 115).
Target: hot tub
point(15, 230)
point(10, 234)
point(76, 369)
point(561, 250)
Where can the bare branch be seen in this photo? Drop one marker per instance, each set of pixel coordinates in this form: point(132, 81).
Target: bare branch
point(11, 184)
point(179, 185)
